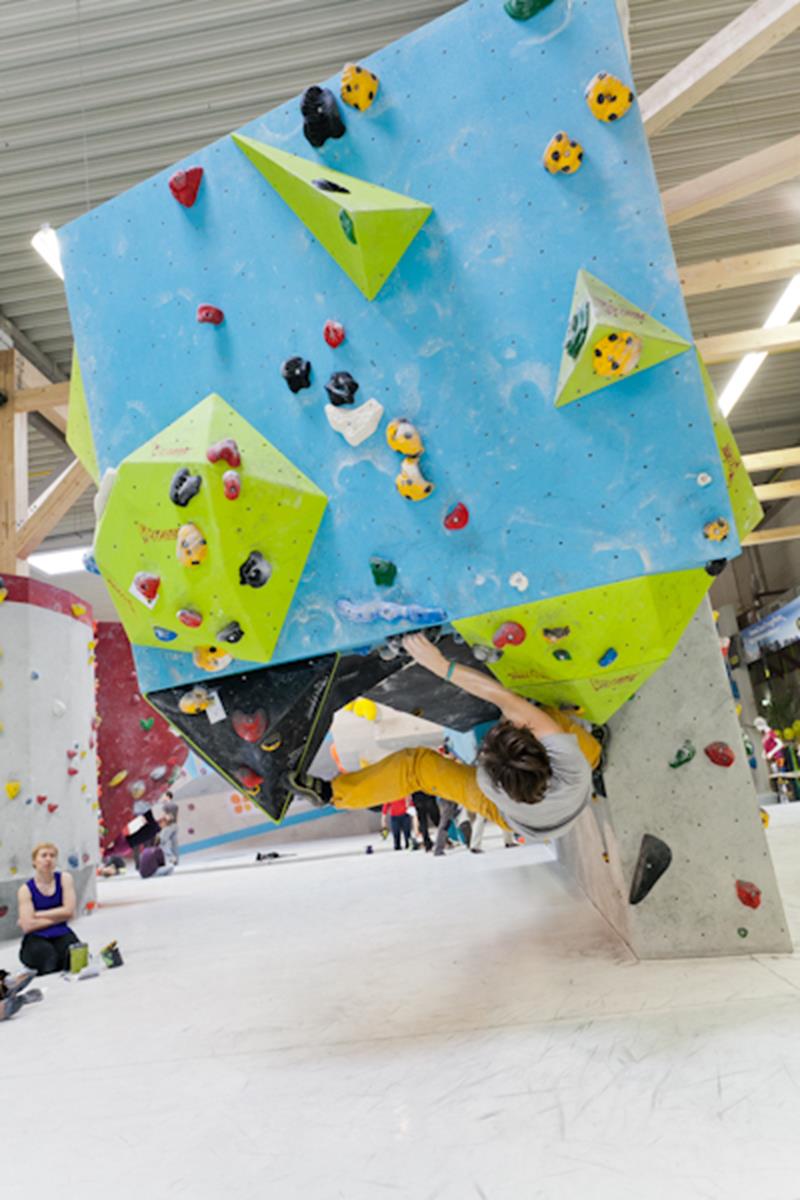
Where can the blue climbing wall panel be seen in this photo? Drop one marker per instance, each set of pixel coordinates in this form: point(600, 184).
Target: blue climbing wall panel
point(465, 338)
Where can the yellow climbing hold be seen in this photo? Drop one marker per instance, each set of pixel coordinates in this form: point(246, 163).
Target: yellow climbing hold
point(13, 788)
point(764, 818)
point(368, 709)
point(118, 778)
point(3, 594)
point(78, 610)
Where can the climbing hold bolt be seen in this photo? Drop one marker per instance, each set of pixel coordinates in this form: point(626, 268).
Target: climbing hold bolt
point(359, 86)
point(297, 373)
point(341, 388)
point(321, 116)
point(384, 572)
point(209, 314)
point(608, 97)
point(510, 633)
point(185, 185)
point(255, 570)
point(456, 517)
point(333, 332)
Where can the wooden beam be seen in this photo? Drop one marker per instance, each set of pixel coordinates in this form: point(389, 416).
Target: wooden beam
point(13, 466)
point(772, 460)
point(745, 39)
point(726, 347)
point(742, 270)
point(778, 491)
point(749, 175)
point(31, 351)
point(765, 537)
point(51, 506)
point(41, 399)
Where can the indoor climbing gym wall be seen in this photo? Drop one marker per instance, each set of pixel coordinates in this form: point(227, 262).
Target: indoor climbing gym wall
point(675, 856)
point(48, 765)
point(408, 350)
point(138, 754)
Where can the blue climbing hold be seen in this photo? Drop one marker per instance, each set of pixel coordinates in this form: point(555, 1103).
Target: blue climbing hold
point(164, 635)
point(74, 862)
point(608, 658)
point(90, 563)
point(385, 610)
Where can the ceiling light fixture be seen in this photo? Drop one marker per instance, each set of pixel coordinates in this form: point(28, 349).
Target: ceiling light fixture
point(782, 314)
point(45, 243)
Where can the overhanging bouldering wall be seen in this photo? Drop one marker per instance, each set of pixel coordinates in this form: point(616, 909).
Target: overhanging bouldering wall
point(138, 754)
point(675, 856)
point(409, 350)
point(48, 780)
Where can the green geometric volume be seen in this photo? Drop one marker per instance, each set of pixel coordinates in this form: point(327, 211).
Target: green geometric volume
point(598, 314)
point(366, 229)
point(79, 429)
point(275, 515)
point(633, 626)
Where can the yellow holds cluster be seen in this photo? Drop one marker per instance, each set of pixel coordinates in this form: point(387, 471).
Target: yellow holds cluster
point(404, 437)
point(617, 354)
point(608, 99)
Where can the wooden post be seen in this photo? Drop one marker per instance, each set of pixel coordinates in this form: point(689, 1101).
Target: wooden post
point(13, 467)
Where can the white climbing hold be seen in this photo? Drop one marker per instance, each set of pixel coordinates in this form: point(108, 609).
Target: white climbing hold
point(59, 708)
point(104, 491)
point(703, 479)
point(355, 424)
point(519, 581)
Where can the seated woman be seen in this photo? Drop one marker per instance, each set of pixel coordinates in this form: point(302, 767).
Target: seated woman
point(46, 902)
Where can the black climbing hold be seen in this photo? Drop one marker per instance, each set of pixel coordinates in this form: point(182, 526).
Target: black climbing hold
point(255, 570)
point(297, 373)
point(184, 487)
point(341, 388)
point(716, 566)
point(654, 858)
point(232, 633)
point(328, 185)
point(321, 116)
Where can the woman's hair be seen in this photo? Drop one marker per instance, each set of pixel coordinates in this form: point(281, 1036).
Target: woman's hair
point(516, 761)
point(42, 846)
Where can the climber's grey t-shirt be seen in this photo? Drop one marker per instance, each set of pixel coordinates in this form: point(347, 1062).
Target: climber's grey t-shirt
point(567, 793)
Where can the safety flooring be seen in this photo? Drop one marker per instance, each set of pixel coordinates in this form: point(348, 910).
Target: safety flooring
point(338, 1025)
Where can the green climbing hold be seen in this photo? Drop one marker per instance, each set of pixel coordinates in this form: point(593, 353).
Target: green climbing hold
point(383, 572)
point(523, 10)
point(147, 722)
point(684, 754)
point(742, 932)
point(348, 228)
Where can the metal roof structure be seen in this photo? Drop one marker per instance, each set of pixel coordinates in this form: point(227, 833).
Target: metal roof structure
point(97, 95)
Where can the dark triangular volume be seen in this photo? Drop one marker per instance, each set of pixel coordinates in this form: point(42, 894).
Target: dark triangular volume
point(654, 858)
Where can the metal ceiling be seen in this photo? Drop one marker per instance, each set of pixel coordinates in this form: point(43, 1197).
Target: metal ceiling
point(96, 95)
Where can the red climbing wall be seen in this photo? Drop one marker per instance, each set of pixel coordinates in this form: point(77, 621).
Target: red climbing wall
point(132, 738)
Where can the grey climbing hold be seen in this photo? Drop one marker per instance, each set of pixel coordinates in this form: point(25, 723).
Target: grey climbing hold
point(654, 858)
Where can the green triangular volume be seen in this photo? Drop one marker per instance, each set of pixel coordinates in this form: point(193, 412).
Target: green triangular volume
point(366, 229)
point(601, 319)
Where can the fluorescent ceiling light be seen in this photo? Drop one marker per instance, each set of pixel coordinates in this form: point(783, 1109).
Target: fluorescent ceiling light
point(59, 562)
point(45, 243)
point(782, 314)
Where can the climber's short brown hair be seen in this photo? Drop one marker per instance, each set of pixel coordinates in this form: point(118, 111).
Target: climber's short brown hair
point(516, 761)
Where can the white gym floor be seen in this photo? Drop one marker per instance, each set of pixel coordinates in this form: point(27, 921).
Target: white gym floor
point(337, 1025)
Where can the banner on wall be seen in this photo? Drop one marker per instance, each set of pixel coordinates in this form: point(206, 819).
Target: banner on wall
point(779, 629)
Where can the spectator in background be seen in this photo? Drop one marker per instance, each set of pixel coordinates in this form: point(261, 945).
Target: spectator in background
point(46, 903)
point(399, 820)
point(427, 815)
point(476, 841)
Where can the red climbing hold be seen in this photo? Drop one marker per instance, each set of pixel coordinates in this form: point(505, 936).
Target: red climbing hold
point(72, 770)
point(226, 450)
point(185, 185)
point(147, 585)
point(190, 617)
point(232, 484)
point(510, 633)
point(250, 727)
point(209, 314)
point(41, 799)
point(333, 333)
point(457, 517)
point(3, 911)
point(51, 808)
point(72, 754)
point(720, 754)
point(248, 778)
point(748, 893)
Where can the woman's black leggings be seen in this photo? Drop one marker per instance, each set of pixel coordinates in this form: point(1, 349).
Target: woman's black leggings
point(46, 956)
point(401, 826)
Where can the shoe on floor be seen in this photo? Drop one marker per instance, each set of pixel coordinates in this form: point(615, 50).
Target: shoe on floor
point(475, 850)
